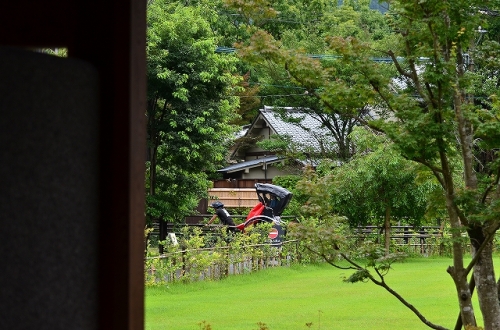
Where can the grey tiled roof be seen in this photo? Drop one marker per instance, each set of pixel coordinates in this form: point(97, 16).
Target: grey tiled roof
point(308, 131)
point(250, 164)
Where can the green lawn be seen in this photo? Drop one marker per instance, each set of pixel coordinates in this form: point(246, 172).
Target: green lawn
point(288, 298)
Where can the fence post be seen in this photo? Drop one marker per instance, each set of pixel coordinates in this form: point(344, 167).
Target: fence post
point(183, 260)
point(422, 240)
point(162, 235)
point(297, 252)
point(228, 263)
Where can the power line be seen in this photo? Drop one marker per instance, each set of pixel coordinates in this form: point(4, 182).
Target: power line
point(228, 50)
point(271, 95)
point(278, 86)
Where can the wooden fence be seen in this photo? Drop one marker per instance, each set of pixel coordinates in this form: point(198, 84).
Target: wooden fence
point(183, 264)
point(400, 234)
point(418, 240)
point(421, 240)
point(179, 265)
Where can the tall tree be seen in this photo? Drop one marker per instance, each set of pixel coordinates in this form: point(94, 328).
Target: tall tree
point(190, 103)
point(429, 113)
point(377, 184)
point(428, 132)
point(301, 34)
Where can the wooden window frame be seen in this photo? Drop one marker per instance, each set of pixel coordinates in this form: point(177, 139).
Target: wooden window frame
point(111, 35)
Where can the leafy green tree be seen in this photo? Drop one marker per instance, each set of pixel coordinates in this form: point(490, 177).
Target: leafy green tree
point(439, 126)
point(229, 27)
point(377, 184)
point(190, 103)
point(429, 111)
point(275, 57)
point(249, 102)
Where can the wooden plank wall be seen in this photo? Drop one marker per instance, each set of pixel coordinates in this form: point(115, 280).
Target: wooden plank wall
point(234, 197)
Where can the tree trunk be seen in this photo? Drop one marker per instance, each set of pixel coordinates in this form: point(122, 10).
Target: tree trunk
point(387, 227)
point(484, 276)
point(498, 289)
point(457, 271)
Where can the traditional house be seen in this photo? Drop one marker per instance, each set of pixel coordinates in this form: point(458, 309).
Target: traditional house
point(252, 164)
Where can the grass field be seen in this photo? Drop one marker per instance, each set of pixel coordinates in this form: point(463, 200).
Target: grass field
point(290, 298)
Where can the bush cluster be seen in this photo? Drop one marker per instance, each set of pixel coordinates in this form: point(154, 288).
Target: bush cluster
point(215, 255)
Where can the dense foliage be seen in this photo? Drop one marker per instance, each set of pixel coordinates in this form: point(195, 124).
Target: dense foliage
point(433, 102)
point(190, 103)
